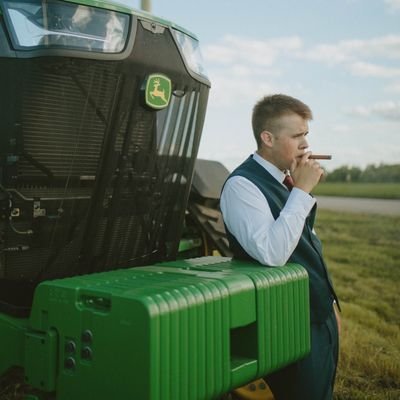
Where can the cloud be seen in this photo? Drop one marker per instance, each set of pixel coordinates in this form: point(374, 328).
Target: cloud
point(393, 88)
point(239, 86)
point(234, 49)
point(260, 56)
point(385, 47)
point(370, 58)
point(393, 5)
point(242, 69)
point(362, 58)
point(388, 110)
point(378, 71)
point(341, 128)
point(327, 53)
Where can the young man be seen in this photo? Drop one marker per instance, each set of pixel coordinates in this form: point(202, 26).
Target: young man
point(270, 223)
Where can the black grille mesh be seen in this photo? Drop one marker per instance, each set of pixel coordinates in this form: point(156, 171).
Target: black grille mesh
point(63, 120)
point(64, 138)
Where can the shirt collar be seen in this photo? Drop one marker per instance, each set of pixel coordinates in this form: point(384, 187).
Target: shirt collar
point(271, 168)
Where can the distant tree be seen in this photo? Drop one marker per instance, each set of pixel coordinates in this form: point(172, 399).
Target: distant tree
point(381, 173)
point(372, 173)
point(344, 174)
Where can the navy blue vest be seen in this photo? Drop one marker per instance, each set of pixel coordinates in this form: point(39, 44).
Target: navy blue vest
point(308, 252)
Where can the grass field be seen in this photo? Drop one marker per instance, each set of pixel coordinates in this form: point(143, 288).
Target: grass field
point(370, 190)
point(363, 255)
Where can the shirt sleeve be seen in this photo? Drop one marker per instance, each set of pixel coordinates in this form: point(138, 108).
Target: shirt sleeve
point(248, 217)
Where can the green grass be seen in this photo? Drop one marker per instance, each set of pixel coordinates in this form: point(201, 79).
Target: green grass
point(363, 255)
point(370, 190)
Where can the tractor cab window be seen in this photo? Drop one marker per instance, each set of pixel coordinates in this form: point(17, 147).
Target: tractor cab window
point(56, 24)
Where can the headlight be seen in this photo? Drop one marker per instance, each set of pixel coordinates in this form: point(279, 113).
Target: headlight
point(191, 53)
point(57, 24)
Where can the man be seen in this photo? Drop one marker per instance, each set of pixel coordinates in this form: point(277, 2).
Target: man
point(272, 224)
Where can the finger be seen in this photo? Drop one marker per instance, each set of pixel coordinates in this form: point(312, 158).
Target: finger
point(305, 157)
point(315, 164)
point(293, 165)
point(320, 171)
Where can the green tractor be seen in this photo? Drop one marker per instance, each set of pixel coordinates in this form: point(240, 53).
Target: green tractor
point(115, 276)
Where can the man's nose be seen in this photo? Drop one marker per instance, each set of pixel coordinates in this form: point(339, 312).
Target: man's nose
point(304, 144)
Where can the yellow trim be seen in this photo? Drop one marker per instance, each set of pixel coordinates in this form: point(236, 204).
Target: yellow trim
point(257, 390)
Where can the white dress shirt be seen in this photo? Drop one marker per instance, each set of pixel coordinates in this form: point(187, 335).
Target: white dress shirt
point(248, 217)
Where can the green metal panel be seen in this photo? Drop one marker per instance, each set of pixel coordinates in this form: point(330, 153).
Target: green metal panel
point(176, 331)
point(40, 359)
point(283, 328)
point(12, 331)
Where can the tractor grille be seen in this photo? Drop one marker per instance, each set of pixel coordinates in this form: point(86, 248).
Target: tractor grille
point(101, 180)
point(63, 122)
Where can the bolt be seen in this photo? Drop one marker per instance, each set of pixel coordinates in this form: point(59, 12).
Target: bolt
point(87, 336)
point(70, 346)
point(87, 353)
point(262, 386)
point(70, 363)
point(252, 387)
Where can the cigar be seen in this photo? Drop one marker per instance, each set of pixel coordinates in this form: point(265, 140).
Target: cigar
point(320, 157)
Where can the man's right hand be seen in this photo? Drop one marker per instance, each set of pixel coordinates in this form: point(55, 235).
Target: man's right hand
point(306, 173)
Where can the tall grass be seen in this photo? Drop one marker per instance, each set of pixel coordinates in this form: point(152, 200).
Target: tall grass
point(363, 254)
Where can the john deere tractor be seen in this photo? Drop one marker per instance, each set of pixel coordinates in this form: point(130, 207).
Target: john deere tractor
point(115, 276)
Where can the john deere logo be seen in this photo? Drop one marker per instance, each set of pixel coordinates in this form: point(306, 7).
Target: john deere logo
point(158, 91)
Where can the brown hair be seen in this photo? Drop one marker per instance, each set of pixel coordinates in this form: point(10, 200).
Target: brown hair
point(269, 109)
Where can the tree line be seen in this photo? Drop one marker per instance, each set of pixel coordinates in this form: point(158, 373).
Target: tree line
point(372, 173)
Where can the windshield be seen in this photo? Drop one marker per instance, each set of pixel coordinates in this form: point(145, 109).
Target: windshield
point(57, 24)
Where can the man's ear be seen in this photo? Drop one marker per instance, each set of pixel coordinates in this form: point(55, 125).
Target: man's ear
point(267, 138)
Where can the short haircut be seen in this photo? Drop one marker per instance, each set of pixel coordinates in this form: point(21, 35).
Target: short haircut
point(269, 109)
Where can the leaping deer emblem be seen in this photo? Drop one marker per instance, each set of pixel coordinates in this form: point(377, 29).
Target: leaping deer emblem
point(158, 93)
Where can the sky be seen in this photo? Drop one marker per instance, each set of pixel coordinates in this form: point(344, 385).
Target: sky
point(341, 57)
